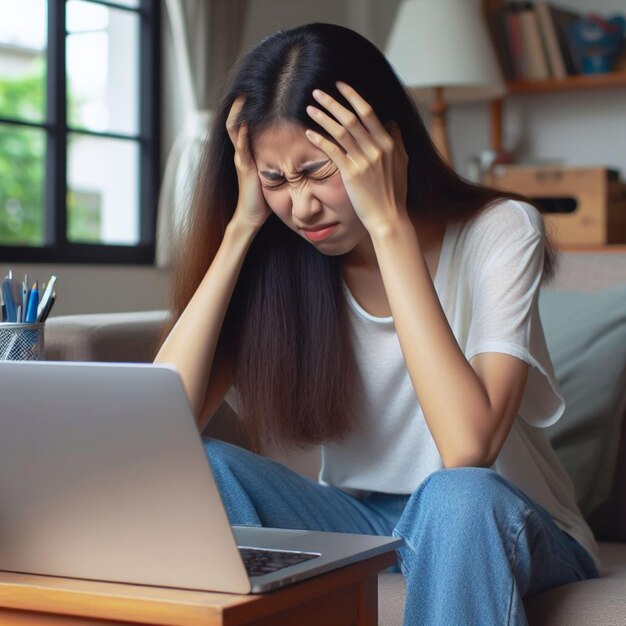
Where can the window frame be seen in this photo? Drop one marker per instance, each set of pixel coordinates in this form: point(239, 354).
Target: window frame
point(56, 247)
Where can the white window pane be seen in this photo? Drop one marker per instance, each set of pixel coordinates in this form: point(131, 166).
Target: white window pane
point(22, 178)
point(103, 190)
point(102, 68)
point(22, 59)
point(133, 4)
point(23, 23)
point(84, 17)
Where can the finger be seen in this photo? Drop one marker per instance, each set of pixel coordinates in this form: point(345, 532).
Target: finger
point(349, 121)
point(243, 147)
point(365, 112)
point(332, 150)
point(343, 137)
point(231, 120)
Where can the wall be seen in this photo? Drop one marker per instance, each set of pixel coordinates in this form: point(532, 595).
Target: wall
point(98, 288)
point(371, 18)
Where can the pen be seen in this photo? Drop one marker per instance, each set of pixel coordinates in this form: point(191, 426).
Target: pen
point(45, 298)
point(25, 290)
point(16, 296)
point(46, 311)
point(33, 303)
point(8, 301)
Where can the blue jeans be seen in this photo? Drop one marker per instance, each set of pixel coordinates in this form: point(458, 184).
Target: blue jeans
point(474, 544)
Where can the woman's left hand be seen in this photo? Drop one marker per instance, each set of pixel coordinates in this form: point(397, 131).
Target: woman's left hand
point(372, 161)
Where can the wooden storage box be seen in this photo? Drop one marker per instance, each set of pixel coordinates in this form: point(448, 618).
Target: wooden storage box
point(580, 205)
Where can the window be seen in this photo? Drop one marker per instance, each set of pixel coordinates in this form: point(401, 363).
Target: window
point(79, 156)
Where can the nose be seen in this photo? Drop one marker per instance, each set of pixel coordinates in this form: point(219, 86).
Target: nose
point(304, 205)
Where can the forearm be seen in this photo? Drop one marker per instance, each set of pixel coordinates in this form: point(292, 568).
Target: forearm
point(452, 396)
point(191, 344)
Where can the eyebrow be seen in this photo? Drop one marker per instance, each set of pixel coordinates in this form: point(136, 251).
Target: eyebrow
point(305, 169)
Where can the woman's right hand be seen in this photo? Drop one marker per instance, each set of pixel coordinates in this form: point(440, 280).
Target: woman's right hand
point(251, 205)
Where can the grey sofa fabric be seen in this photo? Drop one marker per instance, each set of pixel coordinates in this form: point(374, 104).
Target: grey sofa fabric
point(589, 357)
point(598, 602)
point(110, 337)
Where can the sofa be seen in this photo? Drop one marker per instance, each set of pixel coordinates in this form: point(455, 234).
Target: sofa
point(584, 317)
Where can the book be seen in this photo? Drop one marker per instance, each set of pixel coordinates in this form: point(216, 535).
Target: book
point(550, 40)
point(514, 37)
point(563, 20)
point(496, 23)
point(535, 61)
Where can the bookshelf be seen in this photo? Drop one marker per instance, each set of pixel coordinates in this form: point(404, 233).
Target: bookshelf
point(569, 83)
point(580, 82)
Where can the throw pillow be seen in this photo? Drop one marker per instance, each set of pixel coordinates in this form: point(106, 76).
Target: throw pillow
point(586, 337)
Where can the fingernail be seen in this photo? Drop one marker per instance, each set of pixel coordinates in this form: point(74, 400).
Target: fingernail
point(317, 94)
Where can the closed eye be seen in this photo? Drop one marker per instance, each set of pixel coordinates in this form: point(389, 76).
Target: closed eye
point(328, 170)
point(275, 186)
point(325, 172)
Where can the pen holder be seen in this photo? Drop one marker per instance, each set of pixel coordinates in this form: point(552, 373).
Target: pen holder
point(21, 342)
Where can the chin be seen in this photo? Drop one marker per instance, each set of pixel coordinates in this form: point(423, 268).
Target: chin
point(330, 252)
point(331, 249)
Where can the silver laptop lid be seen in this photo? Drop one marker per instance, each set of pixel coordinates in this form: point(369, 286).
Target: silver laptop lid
point(89, 452)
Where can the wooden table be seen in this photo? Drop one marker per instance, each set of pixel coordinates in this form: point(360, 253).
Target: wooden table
point(344, 597)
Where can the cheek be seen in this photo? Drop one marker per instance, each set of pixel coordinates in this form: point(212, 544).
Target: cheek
point(334, 188)
point(333, 194)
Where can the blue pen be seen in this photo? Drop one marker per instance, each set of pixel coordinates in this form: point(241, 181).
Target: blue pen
point(33, 303)
point(8, 301)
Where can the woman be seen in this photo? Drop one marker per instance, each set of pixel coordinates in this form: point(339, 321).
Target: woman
point(353, 291)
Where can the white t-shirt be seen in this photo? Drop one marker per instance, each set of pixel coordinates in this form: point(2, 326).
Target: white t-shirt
point(487, 280)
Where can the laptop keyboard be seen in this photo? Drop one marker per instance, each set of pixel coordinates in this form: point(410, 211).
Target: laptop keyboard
point(259, 562)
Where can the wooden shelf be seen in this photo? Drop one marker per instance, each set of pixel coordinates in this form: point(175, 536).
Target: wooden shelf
point(579, 82)
point(609, 248)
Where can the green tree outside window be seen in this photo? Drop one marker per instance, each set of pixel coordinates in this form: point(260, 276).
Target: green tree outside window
point(22, 172)
point(22, 163)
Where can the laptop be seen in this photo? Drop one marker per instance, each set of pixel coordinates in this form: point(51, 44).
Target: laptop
point(103, 476)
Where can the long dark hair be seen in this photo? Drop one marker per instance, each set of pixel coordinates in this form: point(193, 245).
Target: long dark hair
point(286, 325)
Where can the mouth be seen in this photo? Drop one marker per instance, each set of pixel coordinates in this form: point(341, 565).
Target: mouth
point(319, 232)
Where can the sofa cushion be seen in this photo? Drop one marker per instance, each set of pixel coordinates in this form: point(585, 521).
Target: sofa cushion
point(608, 521)
point(586, 337)
point(121, 337)
point(596, 602)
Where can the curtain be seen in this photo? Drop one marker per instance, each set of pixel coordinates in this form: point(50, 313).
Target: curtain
point(206, 40)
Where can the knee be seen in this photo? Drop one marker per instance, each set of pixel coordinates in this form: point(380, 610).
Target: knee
point(463, 493)
point(220, 453)
point(227, 457)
